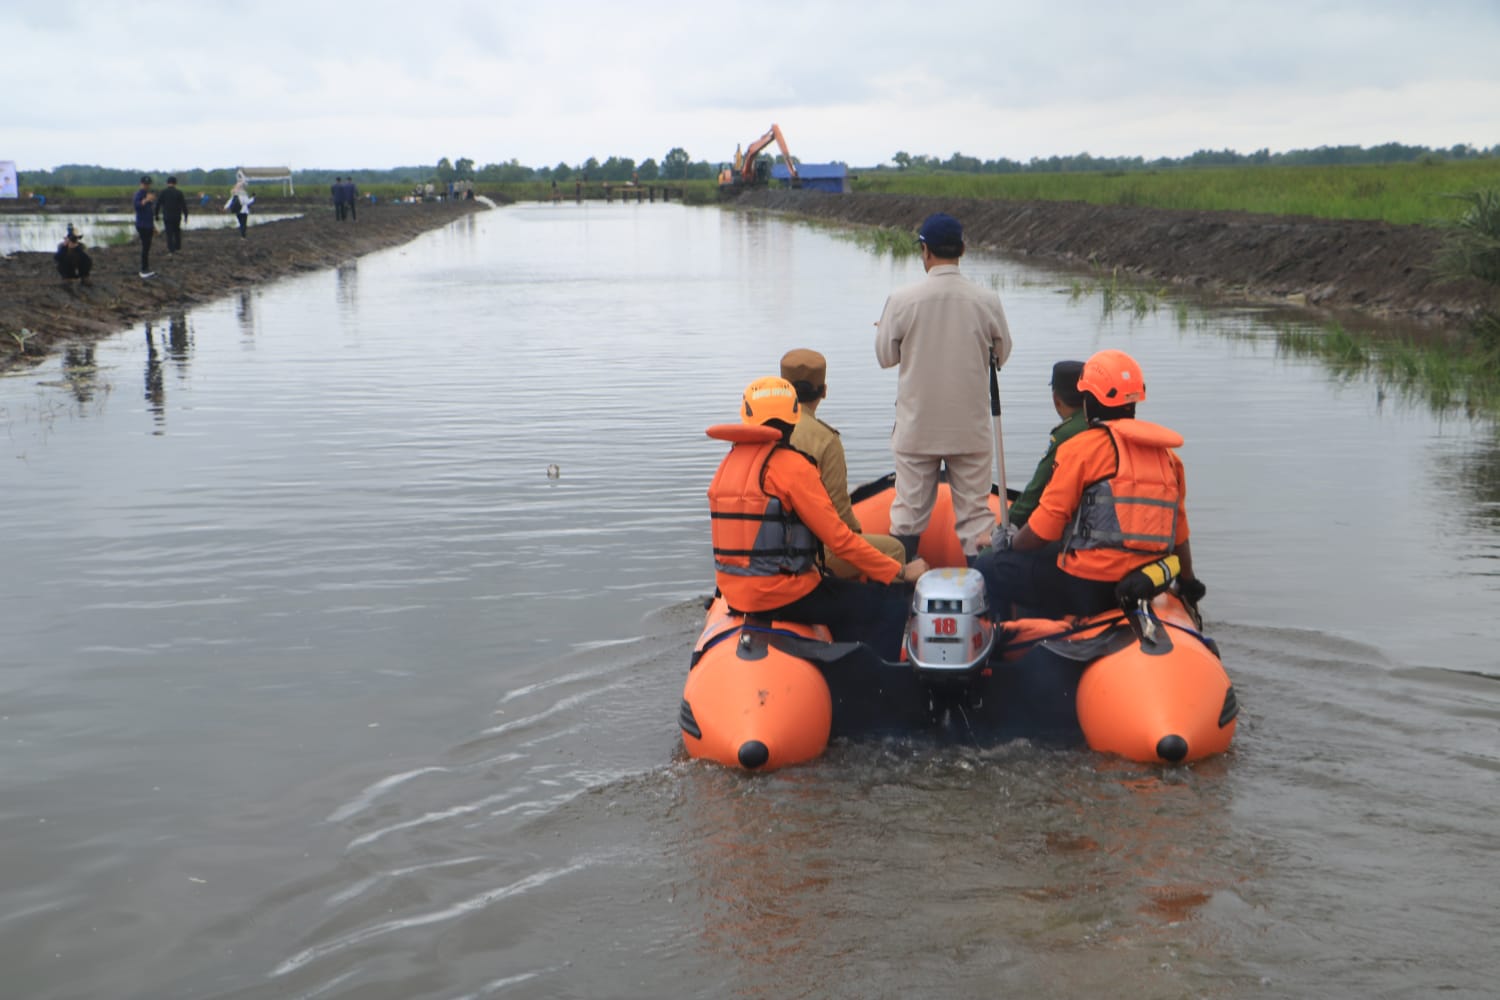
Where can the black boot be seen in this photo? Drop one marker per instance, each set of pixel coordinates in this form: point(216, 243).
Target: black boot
point(910, 543)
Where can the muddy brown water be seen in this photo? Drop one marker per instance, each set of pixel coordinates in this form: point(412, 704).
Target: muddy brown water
point(316, 684)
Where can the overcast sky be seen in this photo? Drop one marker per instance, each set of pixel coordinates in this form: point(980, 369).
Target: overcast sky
point(368, 83)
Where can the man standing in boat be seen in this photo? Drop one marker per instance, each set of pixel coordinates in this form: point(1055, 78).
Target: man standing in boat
point(807, 370)
point(770, 515)
point(1115, 502)
point(944, 332)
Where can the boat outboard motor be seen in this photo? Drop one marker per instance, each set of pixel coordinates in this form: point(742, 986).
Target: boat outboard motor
point(951, 635)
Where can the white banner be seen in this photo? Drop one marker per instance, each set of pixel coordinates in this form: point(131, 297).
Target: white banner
point(8, 179)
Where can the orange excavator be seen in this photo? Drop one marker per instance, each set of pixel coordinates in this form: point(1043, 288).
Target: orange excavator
point(750, 170)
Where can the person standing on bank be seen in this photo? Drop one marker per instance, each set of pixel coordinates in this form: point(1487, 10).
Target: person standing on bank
point(145, 223)
point(240, 200)
point(807, 371)
point(1068, 402)
point(944, 332)
point(172, 209)
point(770, 514)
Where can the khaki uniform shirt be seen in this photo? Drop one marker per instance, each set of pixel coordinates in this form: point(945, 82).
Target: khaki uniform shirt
point(941, 332)
point(813, 437)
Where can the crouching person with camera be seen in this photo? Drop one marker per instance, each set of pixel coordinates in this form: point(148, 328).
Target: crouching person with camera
point(73, 261)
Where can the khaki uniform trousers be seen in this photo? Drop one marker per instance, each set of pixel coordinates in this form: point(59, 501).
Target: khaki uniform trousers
point(969, 480)
point(846, 570)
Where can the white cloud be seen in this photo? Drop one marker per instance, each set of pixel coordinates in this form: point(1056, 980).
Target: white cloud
point(171, 85)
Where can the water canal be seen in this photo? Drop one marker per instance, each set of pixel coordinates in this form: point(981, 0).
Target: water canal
point(42, 233)
point(315, 684)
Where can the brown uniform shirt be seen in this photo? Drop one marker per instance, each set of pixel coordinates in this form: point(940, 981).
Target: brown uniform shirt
point(813, 437)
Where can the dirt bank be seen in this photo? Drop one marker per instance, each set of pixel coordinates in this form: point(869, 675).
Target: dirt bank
point(1369, 271)
point(212, 264)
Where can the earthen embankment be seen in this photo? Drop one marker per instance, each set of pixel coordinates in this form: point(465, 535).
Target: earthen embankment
point(1338, 268)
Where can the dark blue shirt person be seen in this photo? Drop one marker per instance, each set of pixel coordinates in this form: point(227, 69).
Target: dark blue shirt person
point(145, 223)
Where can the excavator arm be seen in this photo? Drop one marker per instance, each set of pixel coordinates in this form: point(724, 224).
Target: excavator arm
point(745, 168)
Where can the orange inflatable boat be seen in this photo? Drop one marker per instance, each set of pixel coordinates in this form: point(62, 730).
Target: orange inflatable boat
point(1144, 683)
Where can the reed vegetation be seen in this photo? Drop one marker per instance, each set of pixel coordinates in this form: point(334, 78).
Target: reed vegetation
point(1422, 192)
point(1117, 296)
point(1472, 250)
point(1458, 373)
point(882, 241)
point(1447, 376)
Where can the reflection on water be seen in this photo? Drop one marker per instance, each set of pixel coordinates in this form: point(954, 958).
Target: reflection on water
point(1017, 868)
point(177, 337)
point(244, 311)
point(156, 395)
point(1475, 478)
point(176, 347)
point(81, 371)
point(346, 281)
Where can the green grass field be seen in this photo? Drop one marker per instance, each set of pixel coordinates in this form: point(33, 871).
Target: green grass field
point(1423, 193)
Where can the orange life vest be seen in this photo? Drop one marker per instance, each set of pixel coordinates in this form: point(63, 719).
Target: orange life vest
point(754, 534)
point(1127, 519)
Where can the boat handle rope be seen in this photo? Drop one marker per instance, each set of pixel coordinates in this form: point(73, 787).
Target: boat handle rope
point(1188, 631)
point(1109, 625)
point(743, 627)
point(1212, 646)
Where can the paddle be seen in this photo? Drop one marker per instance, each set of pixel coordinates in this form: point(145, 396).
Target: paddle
point(999, 450)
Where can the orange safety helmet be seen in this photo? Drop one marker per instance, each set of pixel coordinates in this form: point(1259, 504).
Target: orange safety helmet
point(1113, 378)
point(770, 398)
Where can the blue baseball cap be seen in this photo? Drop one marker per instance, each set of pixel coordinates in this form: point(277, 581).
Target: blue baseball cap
point(941, 231)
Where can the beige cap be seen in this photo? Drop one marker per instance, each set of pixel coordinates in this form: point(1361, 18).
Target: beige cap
point(803, 365)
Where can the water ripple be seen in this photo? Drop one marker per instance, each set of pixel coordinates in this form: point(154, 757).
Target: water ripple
point(453, 912)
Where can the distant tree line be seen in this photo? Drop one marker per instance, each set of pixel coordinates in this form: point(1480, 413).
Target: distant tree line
point(88, 175)
point(677, 165)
